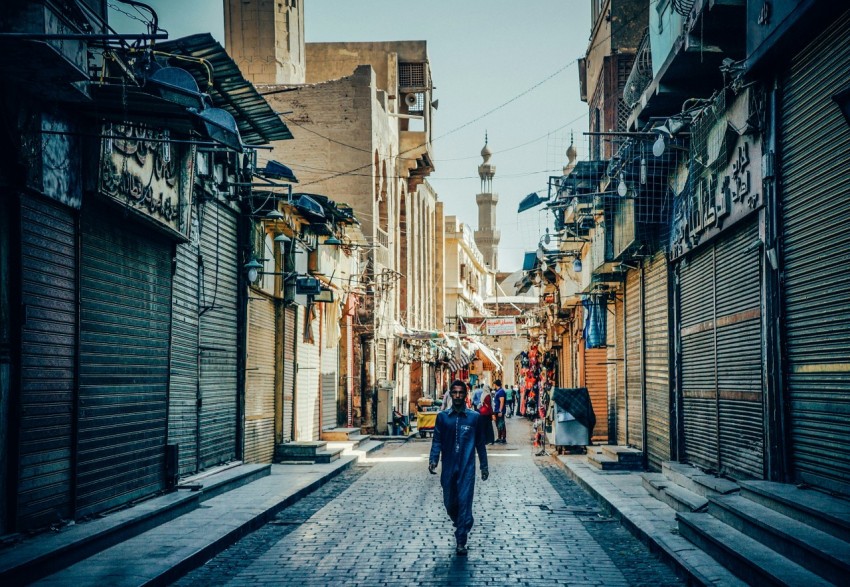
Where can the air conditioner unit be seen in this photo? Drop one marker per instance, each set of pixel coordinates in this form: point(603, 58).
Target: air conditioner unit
point(308, 286)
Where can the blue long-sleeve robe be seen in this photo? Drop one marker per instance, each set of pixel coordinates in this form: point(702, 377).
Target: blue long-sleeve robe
point(457, 437)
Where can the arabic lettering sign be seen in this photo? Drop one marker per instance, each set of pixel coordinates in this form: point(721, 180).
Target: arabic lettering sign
point(143, 170)
point(501, 326)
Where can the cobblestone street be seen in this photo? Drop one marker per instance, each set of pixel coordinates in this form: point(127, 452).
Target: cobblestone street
point(383, 523)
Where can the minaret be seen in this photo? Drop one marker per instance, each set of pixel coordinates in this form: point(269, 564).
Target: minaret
point(487, 236)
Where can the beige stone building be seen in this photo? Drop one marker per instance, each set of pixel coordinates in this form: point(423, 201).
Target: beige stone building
point(361, 117)
point(468, 279)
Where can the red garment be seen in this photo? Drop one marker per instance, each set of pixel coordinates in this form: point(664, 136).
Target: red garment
point(486, 408)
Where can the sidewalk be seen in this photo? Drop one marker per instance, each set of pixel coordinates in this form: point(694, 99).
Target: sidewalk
point(623, 495)
point(158, 540)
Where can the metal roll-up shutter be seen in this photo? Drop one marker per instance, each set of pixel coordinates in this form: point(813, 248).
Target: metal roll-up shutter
point(596, 381)
point(620, 366)
point(815, 194)
point(218, 332)
point(260, 380)
point(739, 352)
point(656, 307)
point(125, 321)
point(307, 386)
point(48, 350)
point(699, 384)
point(330, 377)
point(289, 329)
point(634, 397)
point(183, 389)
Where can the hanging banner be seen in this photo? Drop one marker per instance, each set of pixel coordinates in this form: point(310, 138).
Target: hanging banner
point(501, 326)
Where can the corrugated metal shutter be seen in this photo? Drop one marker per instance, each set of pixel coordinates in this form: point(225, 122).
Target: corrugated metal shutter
point(620, 366)
point(739, 352)
point(307, 387)
point(48, 351)
point(657, 360)
point(699, 380)
point(816, 214)
point(260, 380)
point(634, 393)
point(183, 389)
point(125, 320)
point(596, 381)
point(218, 331)
point(330, 377)
point(289, 341)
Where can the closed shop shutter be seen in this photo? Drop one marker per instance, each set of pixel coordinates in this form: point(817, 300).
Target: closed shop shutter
point(307, 387)
point(218, 333)
point(699, 384)
point(721, 330)
point(620, 366)
point(739, 352)
point(816, 293)
point(289, 342)
point(330, 376)
point(657, 360)
point(260, 380)
point(48, 345)
point(596, 381)
point(125, 320)
point(634, 397)
point(183, 390)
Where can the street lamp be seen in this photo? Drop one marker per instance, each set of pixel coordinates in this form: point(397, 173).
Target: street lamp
point(252, 268)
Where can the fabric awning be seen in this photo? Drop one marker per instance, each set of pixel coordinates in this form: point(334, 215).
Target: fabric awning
point(489, 354)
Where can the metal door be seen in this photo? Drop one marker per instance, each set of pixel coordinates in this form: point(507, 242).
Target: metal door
point(620, 371)
point(47, 355)
point(656, 309)
point(634, 359)
point(184, 386)
point(218, 316)
point(330, 373)
point(260, 380)
point(289, 341)
point(125, 320)
point(815, 196)
point(307, 401)
point(596, 382)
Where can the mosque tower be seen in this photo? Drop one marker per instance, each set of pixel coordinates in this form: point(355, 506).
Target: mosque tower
point(487, 236)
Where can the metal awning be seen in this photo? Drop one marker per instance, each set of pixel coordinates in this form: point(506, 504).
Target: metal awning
point(257, 121)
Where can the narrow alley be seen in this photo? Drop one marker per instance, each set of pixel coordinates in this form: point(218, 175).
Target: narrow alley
point(533, 526)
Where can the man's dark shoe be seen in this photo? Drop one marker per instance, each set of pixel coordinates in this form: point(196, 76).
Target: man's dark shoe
point(461, 550)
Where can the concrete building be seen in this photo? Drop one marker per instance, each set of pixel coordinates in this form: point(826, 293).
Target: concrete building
point(469, 281)
point(360, 114)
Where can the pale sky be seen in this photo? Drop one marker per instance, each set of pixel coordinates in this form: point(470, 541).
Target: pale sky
point(483, 54)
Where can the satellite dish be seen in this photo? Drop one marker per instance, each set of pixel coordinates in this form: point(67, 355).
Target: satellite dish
point(410, 100)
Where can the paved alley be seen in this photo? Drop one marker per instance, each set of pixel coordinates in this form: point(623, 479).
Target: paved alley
point(382, 523)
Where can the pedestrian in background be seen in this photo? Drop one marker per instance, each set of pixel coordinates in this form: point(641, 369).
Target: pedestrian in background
point(499, 411)
point(458, 435)
point(476, 396)
point(509, 400)
point(486, 410)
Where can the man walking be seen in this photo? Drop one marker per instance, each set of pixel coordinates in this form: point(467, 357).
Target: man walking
point(458, 435)
point(499, 411)
point(509, 399)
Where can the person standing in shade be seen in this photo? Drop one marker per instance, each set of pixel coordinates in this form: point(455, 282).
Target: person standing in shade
point(499, 406)
point(509, 400)
point(458, 435)
point(486, 411)
point(476, 396)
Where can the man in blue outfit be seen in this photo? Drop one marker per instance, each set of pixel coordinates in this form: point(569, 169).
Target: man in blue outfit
point(458, 435)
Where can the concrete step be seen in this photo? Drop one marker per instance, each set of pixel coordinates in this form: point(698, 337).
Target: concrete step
point(225, 480)
point(622, 454)
point(818, 551)
point(340, 434)
point(819, 510)
point(654, 483)
point(299, 451)
point(327, 456)
point(682, 500)
point(697, 481)
point(750, 560)
point(606, 463)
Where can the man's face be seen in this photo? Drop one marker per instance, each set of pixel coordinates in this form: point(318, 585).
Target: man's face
point(458, 397)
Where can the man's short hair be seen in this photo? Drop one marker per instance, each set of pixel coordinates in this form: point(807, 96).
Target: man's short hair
point(458, 383)
point(498, 383)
